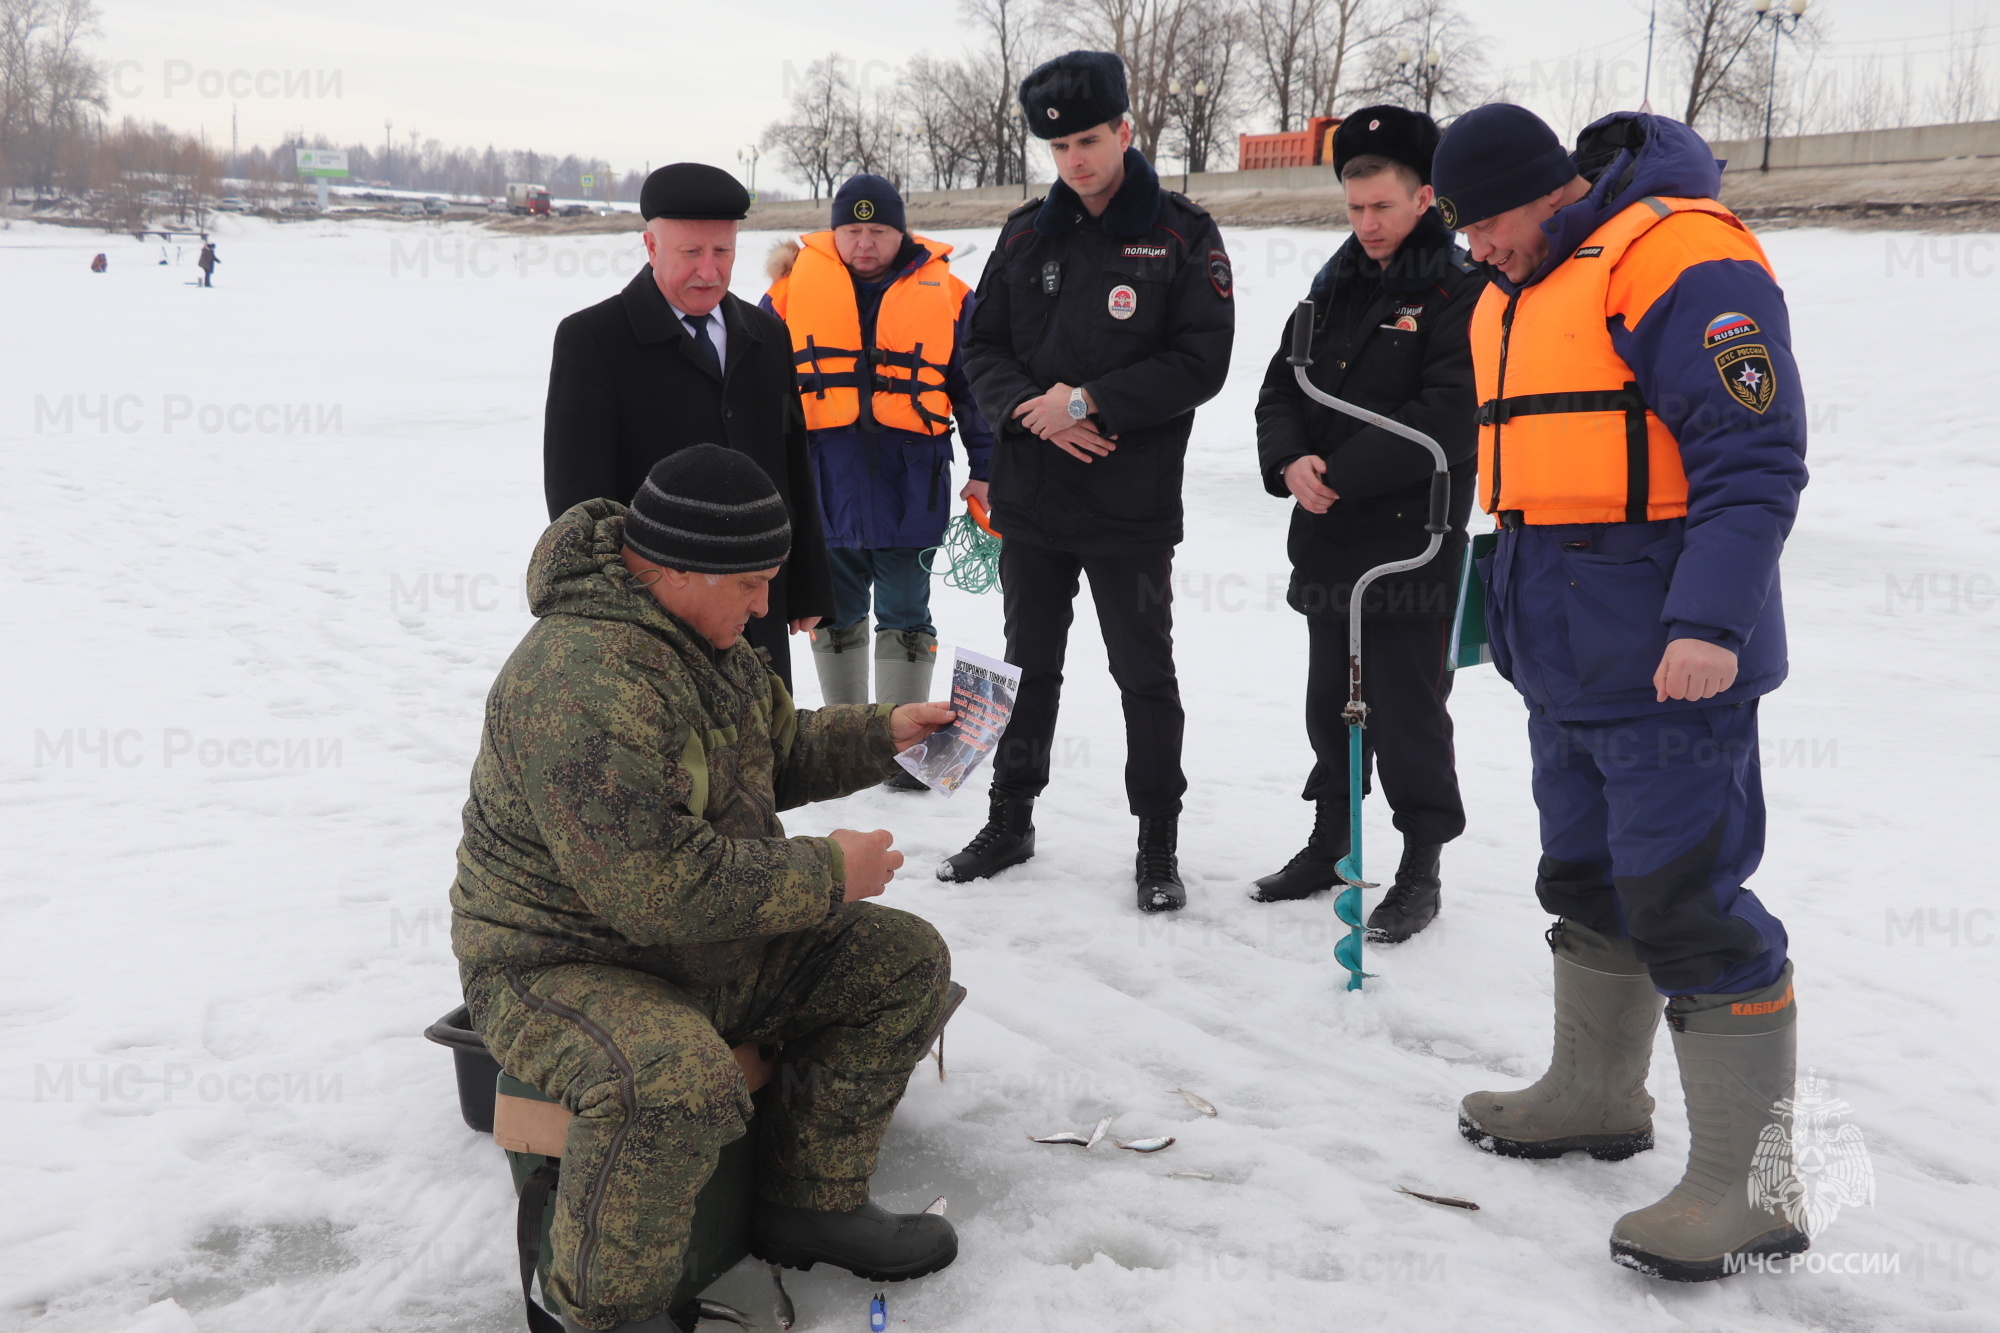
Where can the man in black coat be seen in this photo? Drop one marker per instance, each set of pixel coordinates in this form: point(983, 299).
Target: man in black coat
point(1104, 319)
point(675, 360)
point(1391, 313)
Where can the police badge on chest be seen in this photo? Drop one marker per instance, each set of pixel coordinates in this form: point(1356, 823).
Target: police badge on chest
point(1404, 320)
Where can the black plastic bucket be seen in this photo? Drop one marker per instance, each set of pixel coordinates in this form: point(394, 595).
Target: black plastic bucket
point(478, 1072)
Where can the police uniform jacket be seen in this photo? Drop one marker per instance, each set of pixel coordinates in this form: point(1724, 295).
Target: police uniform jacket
point(1393, 341)
point(1136, 308)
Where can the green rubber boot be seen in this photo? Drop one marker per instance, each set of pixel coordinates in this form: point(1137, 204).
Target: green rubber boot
point(1738, 1057)
point(1593, 1098)
point(841, 660)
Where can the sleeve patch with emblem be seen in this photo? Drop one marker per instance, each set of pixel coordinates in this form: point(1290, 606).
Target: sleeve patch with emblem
point(1728, 328)
point(1747, 373)
point(1219, 275)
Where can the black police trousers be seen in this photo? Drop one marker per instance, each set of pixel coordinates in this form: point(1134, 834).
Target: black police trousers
point(1134, 597)
point(1404, 682)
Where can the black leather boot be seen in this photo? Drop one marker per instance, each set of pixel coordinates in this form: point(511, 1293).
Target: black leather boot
point(1312, 870)
point(1412, 901)
point(870, 1241)
point(1007, 840)
point(1156, 868)
point(678, 1321)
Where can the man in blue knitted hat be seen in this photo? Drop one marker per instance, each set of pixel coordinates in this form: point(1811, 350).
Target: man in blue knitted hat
point(878, 324)
point(1642, 446)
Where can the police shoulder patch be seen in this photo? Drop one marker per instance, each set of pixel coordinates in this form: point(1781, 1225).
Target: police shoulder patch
point(1219, 275)
point(1747, 373)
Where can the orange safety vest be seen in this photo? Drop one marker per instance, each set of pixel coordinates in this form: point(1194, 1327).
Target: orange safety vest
point(915, 330)
point(1564, 435)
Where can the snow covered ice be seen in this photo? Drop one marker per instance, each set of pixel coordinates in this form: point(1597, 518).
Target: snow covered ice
point(264, 548)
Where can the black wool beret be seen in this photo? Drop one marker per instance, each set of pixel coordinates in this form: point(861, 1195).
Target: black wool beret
point(1408, 137)
point(693, 190)
point(1074, 92)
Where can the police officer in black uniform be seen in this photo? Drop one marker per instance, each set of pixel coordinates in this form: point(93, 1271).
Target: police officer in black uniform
point(1104, 319)
point(1391, 312)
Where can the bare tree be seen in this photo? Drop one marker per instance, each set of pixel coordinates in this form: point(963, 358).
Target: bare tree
point(1281, 36)
point(1711, 37)
point(1344, 30)
point(1428, 60)
point(1012, 32)
point(1146, 35)
point(816, 138)
point(1206, 88)
point(49, 86)
point(1963, 95)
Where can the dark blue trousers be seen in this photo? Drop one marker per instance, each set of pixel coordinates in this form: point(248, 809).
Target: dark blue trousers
point(894, 578)
point(1650, 826)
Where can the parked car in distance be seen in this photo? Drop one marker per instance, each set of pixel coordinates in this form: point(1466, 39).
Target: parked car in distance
point(410, 208)
point(434, 205)
point(234, 203)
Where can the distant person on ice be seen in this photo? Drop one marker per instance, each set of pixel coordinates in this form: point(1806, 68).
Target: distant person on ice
point(1105, 319)
point(873, 307)
point(1642, 443)
point(206, 262)
point(628, 907)
point(1390, 311)
point(676, 360)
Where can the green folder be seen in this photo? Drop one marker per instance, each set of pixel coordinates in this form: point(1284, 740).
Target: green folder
point(1469, 644)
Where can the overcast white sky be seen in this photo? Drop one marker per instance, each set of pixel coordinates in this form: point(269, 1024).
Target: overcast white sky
point(677, 79)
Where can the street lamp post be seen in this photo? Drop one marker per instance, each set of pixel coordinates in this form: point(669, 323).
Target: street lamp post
point(1785, 23)
point(1421, 71)
point(747, 156)
point(1188, 110)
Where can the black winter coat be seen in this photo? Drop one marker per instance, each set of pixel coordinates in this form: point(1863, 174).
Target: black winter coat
point(1393, 341)
point(629, 386)
point(1135, 307)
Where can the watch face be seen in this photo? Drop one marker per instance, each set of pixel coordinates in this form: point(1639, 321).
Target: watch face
point(1077, 410)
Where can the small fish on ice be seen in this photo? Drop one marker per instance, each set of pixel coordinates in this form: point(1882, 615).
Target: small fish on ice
point(1070, 1136)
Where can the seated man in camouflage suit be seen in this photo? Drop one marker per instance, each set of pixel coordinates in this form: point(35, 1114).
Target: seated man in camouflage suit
point(628, 907)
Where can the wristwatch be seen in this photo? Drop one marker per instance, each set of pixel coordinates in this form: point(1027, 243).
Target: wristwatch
point(1078, 408)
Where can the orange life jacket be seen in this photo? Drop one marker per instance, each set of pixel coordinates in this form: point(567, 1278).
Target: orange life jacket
point(1564, 435)
point(915, 329)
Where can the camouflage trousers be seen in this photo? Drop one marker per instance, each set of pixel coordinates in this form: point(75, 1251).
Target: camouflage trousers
point(646, 1068)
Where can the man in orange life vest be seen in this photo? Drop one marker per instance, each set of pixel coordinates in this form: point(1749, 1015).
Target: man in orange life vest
point(870, 305)
point(1642, 444)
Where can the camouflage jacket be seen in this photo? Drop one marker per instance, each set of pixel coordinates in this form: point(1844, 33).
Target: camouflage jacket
point(625, 800)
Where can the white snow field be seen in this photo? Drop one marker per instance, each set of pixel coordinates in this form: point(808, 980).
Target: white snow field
point(263, 549)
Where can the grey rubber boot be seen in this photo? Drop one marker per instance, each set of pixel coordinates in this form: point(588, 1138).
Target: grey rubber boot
point(840, 656)
point(904, 660)
point(1738, 1057)
point(1593, 1098)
